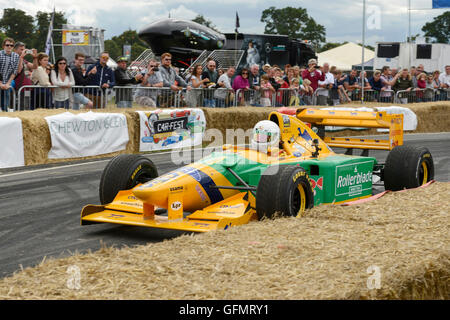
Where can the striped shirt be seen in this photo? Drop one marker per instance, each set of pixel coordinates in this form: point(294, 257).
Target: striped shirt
point(9, 64)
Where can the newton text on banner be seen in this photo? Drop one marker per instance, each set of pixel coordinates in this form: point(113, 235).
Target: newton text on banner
point(86, 134)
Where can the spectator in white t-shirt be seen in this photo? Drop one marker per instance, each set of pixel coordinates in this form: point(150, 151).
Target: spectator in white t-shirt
point(224, 83)
point(196, 82)
point(325, 86)
point(444, 78)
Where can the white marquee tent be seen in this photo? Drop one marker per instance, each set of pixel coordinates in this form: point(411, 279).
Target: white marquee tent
point(345, 56)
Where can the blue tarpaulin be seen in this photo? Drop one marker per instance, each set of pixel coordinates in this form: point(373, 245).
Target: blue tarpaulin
point(441, 4)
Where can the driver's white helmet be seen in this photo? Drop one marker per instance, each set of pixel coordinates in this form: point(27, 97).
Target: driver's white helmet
point(266, 136)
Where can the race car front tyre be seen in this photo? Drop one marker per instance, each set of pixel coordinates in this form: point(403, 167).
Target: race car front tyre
point(124, 172)
point(408, 167)
point(284, 189)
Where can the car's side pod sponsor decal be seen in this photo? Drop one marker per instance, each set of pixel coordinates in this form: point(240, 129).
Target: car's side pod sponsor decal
point(205, 181)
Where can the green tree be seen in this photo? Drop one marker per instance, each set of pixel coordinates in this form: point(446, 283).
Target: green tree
point(17, 24)
point(113, 49)
point(136, 50)
point(314, 32)
point(129, 37)
point(368, 47)
point(294, 22)
point(329, 46)
point(42, 23)
point(2, 36)
point(203, 21)
point(439, 28)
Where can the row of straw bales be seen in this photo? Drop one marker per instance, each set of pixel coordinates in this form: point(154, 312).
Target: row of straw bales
point(432, 117)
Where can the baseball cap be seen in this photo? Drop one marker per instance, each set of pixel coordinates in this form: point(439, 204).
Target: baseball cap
point(122, 59)
point(312, 61)
point(267, 65)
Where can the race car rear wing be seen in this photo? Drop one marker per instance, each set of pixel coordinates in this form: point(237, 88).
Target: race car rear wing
point(362, 119)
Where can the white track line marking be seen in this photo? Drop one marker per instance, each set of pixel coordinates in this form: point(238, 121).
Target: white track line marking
point(412, 135)
point(92, 162)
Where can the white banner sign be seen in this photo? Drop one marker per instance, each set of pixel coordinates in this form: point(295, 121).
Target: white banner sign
point(171, 128)
point(86, 134)
point(11, 142)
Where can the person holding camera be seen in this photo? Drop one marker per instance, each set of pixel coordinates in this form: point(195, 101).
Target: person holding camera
point(147, 92)
point(24, 67)
point(313, 74)
point(124, 96)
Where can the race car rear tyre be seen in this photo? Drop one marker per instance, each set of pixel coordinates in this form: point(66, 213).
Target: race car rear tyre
point(408, 167)
point(124, 172)
point(285, 190)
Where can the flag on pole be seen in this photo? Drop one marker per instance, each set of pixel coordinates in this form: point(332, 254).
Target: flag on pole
point(237, 23)
point(441, 4)
point(48, 43)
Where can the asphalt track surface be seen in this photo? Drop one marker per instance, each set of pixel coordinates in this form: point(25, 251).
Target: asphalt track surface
point(40, 207)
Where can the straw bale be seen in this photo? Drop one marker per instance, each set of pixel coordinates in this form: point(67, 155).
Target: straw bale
point(323, 255)
point(36, 135)
point(432, 117)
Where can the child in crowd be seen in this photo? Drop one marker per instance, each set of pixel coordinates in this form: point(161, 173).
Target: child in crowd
point(306, 87)
point(266, 91)
point(307, 91)
point(295, 88)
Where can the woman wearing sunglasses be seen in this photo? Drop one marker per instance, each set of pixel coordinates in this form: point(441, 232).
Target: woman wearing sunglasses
point(62, 77)
point(241, 83)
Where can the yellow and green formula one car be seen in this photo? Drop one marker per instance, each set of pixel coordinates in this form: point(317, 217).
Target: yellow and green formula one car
point(288, 168)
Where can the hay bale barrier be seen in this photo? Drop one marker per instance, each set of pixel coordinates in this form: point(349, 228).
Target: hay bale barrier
point(330, 253)
point(432, 117)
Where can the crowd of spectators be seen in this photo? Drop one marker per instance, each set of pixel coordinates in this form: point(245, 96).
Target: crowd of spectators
point(160, 84)
point(58, 85)
point(321, 85)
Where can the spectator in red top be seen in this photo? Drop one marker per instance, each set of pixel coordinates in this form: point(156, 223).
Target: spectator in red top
point(282, 95)
point(421, 85)
point(313, 74)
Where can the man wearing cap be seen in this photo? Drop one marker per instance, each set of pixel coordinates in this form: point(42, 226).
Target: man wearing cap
point(124, 96)
point(313, 74)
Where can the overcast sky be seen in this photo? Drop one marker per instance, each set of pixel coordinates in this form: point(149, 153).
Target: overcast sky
point(342, 19)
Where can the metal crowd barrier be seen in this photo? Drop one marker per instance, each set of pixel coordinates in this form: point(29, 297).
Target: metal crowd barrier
point(147, 96)
point(341, 96)
point(208, 97)
point(247, 97)
point(31, 97)
point(422, 95)
point(7, 100)
point(166, 97)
